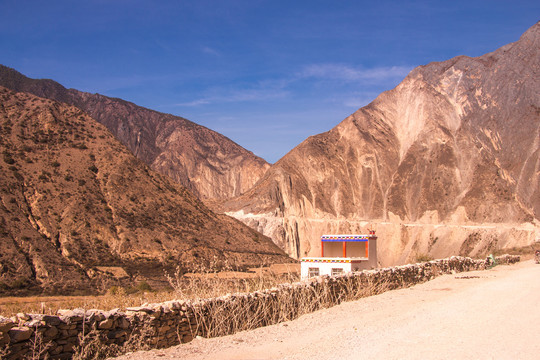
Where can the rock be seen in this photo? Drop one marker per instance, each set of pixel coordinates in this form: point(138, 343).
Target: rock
point(146, 309)
point(96, 315)
point(6, 324)
point(18, 334)
point(56, 349)
point(4, 338)
point(23, 316)
point(113, 313)
point(174, 305)
point(116, 334)
point(52, 320)
point(163, 329)
point(106, 324)
point(123, 323)
point(34, 322)
point(51, 332)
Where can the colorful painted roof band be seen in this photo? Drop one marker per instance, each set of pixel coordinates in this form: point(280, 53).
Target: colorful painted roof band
point(320, 260)
point(347, 237)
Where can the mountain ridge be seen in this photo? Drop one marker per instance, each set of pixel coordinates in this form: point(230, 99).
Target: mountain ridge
point(206, 162)
point(454, 144)
point(76, 206)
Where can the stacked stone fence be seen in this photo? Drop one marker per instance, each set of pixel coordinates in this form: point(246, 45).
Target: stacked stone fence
point(173, 322)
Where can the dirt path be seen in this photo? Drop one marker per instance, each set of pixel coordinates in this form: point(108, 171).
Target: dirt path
point(492, 314)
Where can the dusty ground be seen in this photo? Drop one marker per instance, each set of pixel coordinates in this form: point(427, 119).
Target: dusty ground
point(492, 314)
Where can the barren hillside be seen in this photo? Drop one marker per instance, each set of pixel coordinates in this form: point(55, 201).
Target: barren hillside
point(446, 163)
point(78, 210)
point(206, 162)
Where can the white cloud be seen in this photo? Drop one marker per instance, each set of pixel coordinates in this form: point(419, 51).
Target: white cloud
point(194, 102)
point(253, 94)
point(264, 90)
point(210, 51)
point(346, 93)
point(348, 73)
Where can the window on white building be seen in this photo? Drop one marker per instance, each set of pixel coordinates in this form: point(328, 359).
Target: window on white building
point(337, 271)
point(313, 271)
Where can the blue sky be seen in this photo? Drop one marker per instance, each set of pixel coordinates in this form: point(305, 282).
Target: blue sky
point(266, 74)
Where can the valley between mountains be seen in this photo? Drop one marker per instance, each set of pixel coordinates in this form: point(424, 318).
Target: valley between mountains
point(447, 163)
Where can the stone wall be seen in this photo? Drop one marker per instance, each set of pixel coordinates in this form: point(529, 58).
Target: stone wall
point(173, 322)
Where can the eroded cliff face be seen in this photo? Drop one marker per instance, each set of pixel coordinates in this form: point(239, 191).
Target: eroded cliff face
point(446, 163)
point(206, 162)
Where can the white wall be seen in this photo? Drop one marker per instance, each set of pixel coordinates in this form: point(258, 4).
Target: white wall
point(325, 268)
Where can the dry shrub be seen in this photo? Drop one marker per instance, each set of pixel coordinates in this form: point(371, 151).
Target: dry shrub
point(37, 351)
point(239, 312)
point(4, 352)
point(93, 345)
point(38, 347)
point(422, 257)
point(236, 305)
point(356, 287)
point(208, 281)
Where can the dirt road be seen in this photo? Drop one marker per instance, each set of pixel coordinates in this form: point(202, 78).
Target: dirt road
point(492, 314)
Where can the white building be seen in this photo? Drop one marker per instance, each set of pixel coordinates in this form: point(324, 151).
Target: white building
point(340, 254)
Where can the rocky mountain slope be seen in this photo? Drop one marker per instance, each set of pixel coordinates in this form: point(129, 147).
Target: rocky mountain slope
point(446, 163)
point(206, 162)
point(78, 211)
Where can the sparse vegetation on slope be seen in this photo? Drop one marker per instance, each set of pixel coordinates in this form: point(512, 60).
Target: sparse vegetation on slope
point(209, 164)
point(79, 212)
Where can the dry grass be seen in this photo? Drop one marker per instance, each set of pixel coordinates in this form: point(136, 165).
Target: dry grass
point(526, 252)
point(241, 304)
point(207, 284)
point(10, 306)
point(237, 304)
point(201, 285)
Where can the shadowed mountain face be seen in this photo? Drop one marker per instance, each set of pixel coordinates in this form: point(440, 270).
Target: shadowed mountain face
point(206, 162)
point(446, 163)
point(77, 207)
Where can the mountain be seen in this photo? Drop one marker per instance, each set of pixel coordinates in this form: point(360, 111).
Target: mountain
point(78, 211)
point(206, 162)
point(446, 163)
